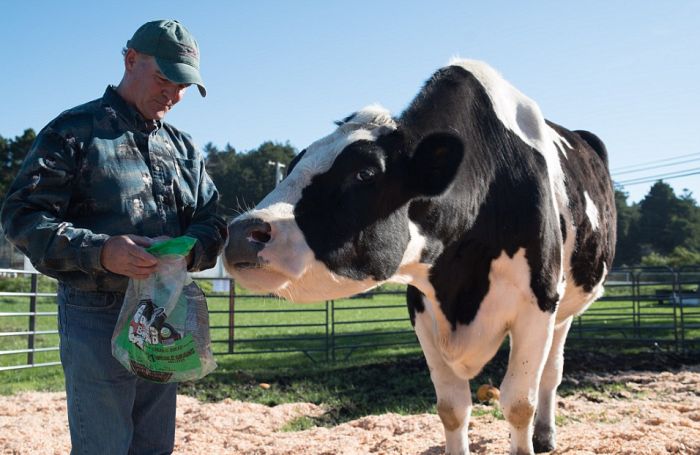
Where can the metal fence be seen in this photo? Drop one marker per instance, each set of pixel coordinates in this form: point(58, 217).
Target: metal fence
point(645, 308)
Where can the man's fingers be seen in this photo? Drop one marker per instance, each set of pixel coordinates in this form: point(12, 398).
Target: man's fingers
point(142, 258)
point(144, 268)
point(125, 255)
point(140, 240)
point(133, 270)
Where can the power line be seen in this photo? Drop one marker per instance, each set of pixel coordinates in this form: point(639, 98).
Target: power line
point(649, 168)
point(663, 160)
point(669, 176)
point(674, 174)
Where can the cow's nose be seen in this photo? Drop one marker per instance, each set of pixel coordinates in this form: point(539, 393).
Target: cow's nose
point(260, 232)
point(246, 238)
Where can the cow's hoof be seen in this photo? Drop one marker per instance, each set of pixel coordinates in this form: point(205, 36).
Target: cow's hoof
point(543, 444)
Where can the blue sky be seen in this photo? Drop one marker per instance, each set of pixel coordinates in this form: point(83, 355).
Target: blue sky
point(285, 70)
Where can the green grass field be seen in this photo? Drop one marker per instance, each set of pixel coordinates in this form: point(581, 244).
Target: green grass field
point(275, 339)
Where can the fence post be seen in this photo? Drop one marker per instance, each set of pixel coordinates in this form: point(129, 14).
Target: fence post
point(327, 334)
point(676, 289)
point(636, 303)
point(32, 319)
point(333, 331)
point(231, 314)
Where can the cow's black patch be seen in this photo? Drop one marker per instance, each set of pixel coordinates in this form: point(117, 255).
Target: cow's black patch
point(562, 227)
point(414, 301)
point(354, 216)
point(499, 202)
point(294, 161)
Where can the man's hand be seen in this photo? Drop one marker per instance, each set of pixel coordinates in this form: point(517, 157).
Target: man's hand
point(190, 258)
point(125, 255)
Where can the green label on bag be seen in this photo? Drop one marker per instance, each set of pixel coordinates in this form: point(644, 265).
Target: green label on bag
point(179, 355)
point(178, 245)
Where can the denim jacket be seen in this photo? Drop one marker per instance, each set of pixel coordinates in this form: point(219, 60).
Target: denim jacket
point(101, 169)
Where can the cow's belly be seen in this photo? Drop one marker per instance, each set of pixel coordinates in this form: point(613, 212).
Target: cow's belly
point(576, 300)
point(477, 344)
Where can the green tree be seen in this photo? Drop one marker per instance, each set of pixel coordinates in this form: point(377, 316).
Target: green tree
point(243, 179)
point(679, 257)
point(12, 153)
point(627, 250)
point(667, 221)
point(686, 222)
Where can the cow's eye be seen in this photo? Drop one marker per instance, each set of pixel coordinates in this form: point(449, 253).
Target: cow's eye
point(365, 175)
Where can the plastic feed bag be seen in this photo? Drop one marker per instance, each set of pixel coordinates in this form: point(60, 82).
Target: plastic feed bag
point(163, 329)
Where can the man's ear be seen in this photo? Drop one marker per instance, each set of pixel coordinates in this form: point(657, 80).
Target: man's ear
point(130, 59)
point(434, 163)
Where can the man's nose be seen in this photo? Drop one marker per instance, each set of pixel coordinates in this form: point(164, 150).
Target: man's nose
point(173, 92)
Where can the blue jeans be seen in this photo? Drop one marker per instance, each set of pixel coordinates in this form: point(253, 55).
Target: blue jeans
point(110, 411)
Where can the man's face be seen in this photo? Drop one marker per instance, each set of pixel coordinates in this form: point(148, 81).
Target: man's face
point(153, 94)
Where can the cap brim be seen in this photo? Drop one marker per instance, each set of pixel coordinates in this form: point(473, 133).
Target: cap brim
point(181, 73)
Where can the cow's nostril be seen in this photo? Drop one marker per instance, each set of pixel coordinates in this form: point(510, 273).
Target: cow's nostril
point(260, 236)
point(260, 232)
point(246, 238)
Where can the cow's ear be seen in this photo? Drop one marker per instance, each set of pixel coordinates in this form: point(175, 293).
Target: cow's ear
point(435, 163)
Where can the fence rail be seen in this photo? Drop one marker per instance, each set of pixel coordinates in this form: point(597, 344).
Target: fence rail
point(648, 308)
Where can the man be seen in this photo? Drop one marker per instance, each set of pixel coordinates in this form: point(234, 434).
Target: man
point(100, 182)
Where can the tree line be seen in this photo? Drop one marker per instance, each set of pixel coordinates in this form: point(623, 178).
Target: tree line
point(662, 229)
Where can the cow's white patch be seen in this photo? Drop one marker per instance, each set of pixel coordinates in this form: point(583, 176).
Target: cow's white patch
point(367, 124)
point(559, 141)
point(575, 300)
point(319, 283)
point(467, 349)
point(287, 252)
point(516, 111)
point(415, 246)
point(591, 211)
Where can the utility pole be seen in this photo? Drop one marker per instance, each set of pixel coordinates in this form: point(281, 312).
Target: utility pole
point(278, 171)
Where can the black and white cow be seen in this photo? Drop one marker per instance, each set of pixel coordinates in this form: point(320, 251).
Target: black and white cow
point(501, 223)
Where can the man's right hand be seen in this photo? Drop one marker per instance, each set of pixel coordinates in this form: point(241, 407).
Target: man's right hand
point(125, 255)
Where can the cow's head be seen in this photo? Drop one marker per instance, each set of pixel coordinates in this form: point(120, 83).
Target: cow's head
point(338, 223)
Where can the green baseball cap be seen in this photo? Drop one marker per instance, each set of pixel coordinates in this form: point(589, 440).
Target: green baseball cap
point(174, 48)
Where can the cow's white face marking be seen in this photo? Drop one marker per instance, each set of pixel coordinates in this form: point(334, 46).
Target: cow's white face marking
point(367, 124)
point(290, 266)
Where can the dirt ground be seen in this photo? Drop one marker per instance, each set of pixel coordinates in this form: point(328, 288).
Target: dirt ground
point(654, 413)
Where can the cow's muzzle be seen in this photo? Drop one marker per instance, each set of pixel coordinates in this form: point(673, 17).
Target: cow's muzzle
point(247, 237)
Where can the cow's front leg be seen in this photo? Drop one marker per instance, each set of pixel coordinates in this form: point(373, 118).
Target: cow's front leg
point(530, 340)
point(454, 406)
point(454, 401)
point(544, 439)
